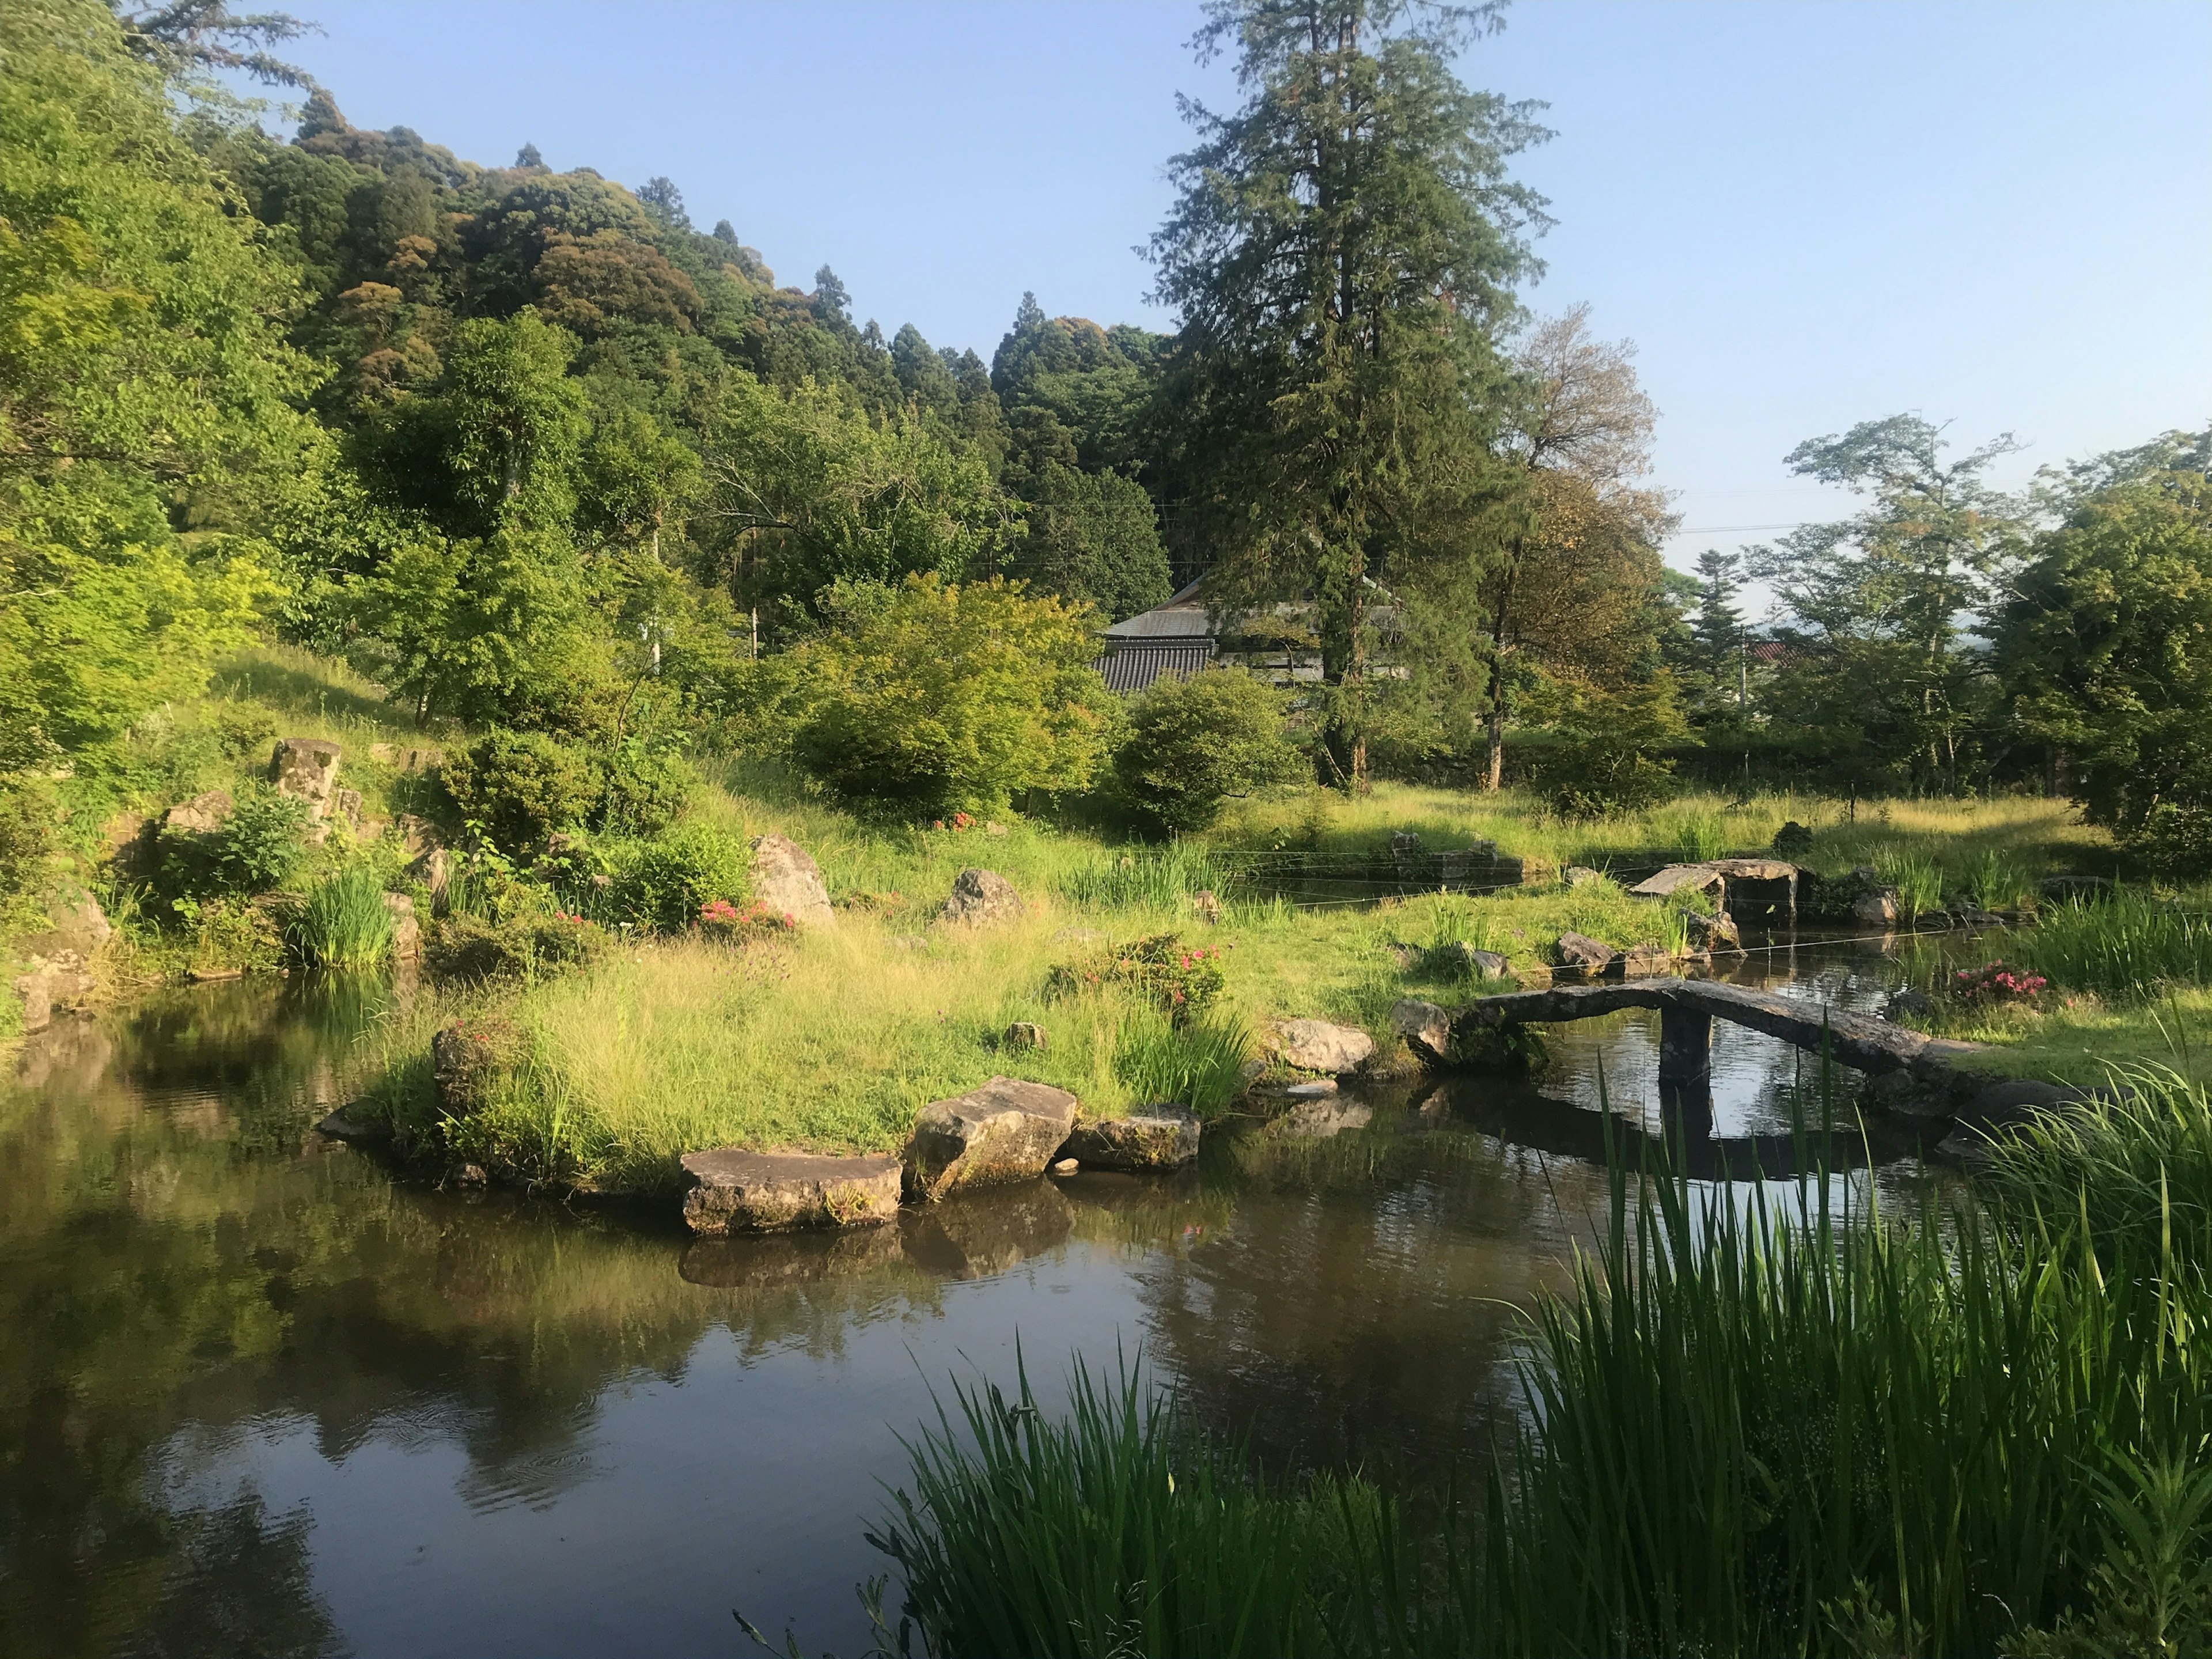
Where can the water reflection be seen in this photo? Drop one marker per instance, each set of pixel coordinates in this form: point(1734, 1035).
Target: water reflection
point(257, 1395)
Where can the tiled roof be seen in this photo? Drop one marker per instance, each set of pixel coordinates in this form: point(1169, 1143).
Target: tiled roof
point(1133, 665)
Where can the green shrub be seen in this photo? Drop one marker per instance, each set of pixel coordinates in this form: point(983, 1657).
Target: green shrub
point(1180, 979)
point(27, 824)
point(1793, 841)
point(467, 948)
point(2173, 841)
point(664, 884)
point(932, 698)
point(243, 727)
point(1195, 742)
point(1607, 752)
point(260, 846)
point(344, 922)
point(518, 788)
point(647, 790)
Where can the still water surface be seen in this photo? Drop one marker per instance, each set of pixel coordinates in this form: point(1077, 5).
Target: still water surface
point(259, 1395)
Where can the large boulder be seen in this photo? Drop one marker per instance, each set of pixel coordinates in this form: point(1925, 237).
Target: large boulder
point(307, 767)
point(788, 882)
point(1317, 1045)
point(731, 1190)
point(980, 897)
point(202, 815)
point(60, 980)
point(1425, 1027)
point(1580, 875)
point(1645, 961)
point(1875, 908)
point(1156, 1137)
point(1007, 1130)
point(1594, 957)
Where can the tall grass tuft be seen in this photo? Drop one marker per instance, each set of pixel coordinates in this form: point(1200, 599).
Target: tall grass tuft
point(2120, 942)
point(1701, 837)
point(1917, 878)
point(1159, 878)
point(1199, 1065)
point(1997, 883)
point(1120, 1530)
point(2135, 1163)
point(342, 923)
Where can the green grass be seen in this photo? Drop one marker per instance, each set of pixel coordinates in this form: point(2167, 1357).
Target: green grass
point(1918, 877)
point(1788, 1426)
point(342, 923)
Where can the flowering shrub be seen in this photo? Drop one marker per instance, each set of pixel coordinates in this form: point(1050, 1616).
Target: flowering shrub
point(958, 821)
point(1182, 979)
point(1997, 983)
point(733, 924)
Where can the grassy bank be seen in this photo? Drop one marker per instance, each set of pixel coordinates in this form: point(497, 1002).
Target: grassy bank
point(2127, 979)
point(1752, 1431)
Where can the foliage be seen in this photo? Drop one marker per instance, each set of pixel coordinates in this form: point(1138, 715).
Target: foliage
point(519, 787)
point(933, 698)
point(1341, 252)
point(647, 790)
point(1607, 752)
point(466, 948)
point(344, 921)
point(1193, 742)
point(1916, 877)
point(2137, 1159)
point(1093, 539)
point(1197, 1063)
point(1885, 594)
point(2106, 650)
point(262, 844)
point(2122, 943)
point(729, 923)
point(665, 885)
point(1179, 978)
point(1161, 878)
point(1122, 1530)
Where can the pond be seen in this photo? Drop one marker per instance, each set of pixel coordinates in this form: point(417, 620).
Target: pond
point(258, 1393)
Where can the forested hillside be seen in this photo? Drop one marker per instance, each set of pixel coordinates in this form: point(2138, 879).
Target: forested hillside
point(532, 452)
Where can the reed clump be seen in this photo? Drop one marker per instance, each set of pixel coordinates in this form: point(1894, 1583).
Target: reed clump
point(344, 922)
point(1795, 1425)
point(2123, 942)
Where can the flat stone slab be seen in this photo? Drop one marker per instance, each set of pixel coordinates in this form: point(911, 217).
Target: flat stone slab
point(1697, 877)
point(1158, 1138)
point(731, 1190)
point(1007, 1130)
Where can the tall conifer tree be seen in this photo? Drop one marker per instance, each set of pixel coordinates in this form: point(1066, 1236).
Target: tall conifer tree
point(1342, 253)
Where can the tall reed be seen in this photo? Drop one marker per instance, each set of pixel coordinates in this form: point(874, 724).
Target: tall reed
point(2120, 941)
point(1917, 878)
point(1793, 1426)
point(344, 921)
point(1161, 879)
point(1199, 1064)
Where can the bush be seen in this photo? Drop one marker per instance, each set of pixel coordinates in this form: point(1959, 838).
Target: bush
point(468, 948)
point(261, 845)
point(518, 788)
point(646, 789)
point(243, 727)
point(1607, 752)
point(667, 884)
point(932, 698)
point(1194, 743)
point(27, 816)
point(1180, 979)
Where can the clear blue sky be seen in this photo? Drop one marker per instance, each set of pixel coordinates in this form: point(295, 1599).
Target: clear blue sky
point(1999, 216)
